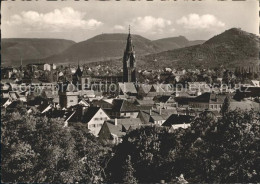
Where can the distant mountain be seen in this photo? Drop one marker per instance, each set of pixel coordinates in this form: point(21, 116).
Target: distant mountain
point(13, 49)
point(111, 46)
point(104, 47)
point(231, 48)
point(175, 43)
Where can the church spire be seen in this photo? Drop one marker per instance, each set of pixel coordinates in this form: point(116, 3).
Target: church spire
point(129, 63)
point(129, 47)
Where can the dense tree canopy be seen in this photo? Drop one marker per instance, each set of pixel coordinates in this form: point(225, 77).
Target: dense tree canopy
point(211, 150)
point(224, 150)
point(38, 149)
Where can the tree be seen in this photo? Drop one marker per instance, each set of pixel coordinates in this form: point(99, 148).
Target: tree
point(226, 106)
point(128, 172)
point(211, 150)
point(38, 149)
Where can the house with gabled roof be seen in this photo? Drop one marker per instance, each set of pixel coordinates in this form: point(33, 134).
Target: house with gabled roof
point(166, 102)
point(124, 109)
point(176, 121)
point(155, 116)
point(83, 102)
point(113, 130)
point(105, 104)
point(92, 117)
point(208, 100)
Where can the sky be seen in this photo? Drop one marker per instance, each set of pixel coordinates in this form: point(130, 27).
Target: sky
point(81, 20)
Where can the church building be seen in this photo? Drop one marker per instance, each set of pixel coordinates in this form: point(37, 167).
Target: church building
point(129, 63)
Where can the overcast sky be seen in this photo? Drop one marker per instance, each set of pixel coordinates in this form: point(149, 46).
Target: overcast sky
point(80, 20)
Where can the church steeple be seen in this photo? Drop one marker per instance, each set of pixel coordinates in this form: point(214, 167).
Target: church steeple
point(129, 70)
point(78, 72)
point(129, 45)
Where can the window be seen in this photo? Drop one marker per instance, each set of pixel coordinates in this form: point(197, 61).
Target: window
point(92, 126)
point(131, 113)
point(100, 112)
point(101, 118)
point(96, 119)
point(71, 100)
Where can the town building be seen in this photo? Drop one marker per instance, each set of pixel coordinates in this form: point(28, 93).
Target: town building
point(92, 117)
point(68, 95)
point(208, 100)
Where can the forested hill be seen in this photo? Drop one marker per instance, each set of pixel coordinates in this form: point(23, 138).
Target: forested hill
point(13, 49)
point(230, 49)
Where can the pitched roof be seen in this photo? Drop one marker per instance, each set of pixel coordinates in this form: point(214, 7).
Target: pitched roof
point(127, 123)
point(210, 98)
point(83, 102)
point(117, 130)
point(162, 99)
point(89, 114)
point(120, 105)
point(144, 88)
point(144, 117)
point(144, 102)
point(157, 117)
point(102, 103)
point(14, 104)
point(127, 87)
point(175, 119)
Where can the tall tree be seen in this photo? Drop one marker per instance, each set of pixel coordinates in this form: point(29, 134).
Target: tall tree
point(226, 106)
point(128, 172)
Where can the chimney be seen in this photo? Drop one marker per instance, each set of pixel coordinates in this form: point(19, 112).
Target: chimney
point(115, 121)
point(160, 111)
point(150, 112)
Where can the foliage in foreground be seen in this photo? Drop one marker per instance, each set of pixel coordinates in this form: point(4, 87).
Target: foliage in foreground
point(38, 149)
point(225, 150)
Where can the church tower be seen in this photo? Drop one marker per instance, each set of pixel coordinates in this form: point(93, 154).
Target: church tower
point(129, 63)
